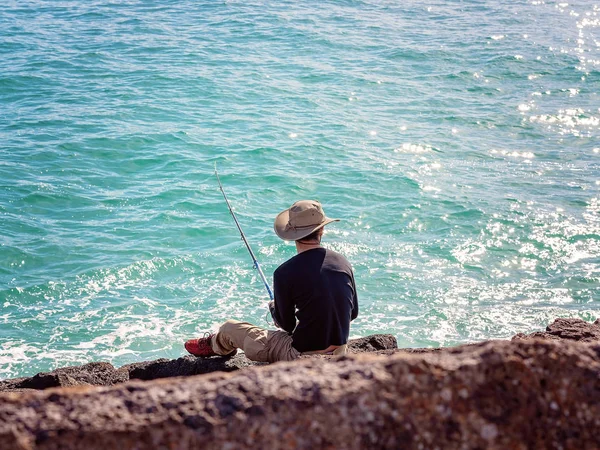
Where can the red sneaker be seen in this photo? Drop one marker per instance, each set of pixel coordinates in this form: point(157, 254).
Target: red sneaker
point(201, 346)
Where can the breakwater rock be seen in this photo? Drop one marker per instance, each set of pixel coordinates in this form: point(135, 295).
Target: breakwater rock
point(499, 394)
point(104, 374)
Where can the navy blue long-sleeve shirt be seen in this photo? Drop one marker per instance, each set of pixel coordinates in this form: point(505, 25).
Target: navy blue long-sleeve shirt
point(315, 299)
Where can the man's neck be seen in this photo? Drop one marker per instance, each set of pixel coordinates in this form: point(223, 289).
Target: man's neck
point(303, 246)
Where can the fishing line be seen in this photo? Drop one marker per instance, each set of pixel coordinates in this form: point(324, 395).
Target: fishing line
point(256, 264)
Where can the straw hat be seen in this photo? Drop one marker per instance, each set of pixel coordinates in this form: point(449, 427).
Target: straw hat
point(300, 220)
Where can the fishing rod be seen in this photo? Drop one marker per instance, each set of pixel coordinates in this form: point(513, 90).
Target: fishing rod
point(256, 264)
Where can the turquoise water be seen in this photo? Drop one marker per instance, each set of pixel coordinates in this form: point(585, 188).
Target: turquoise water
point(458, 141)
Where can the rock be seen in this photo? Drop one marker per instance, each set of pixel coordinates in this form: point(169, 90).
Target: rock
point(190, 365)
point(12, 385)
point(96, 374)
point(569, 329)
point(502, 394)
point(535, 335)
point(575, 329)
point(186, 366)
point(104, 374)
point(372, 343)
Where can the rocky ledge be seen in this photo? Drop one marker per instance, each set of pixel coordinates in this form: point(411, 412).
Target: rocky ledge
point(105, 374)
point(569, 329)
point(535, 391)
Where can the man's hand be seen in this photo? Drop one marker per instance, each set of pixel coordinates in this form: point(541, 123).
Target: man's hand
point(272, 310)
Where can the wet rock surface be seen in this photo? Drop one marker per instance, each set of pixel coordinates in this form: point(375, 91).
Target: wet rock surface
point(567, 329)
point(104, 374)
point(502, 394)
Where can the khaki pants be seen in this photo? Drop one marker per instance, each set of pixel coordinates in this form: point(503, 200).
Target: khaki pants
point(257, 343)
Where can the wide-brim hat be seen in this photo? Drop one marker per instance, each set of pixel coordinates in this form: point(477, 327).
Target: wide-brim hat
point(301, 219)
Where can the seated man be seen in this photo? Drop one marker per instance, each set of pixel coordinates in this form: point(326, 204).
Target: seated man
point(315, 299)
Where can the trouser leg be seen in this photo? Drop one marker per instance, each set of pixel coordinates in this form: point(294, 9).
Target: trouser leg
point(246, 336)
point(280, 347)
point(257, 343)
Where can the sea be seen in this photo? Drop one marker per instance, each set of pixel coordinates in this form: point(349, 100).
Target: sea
point(457, 141)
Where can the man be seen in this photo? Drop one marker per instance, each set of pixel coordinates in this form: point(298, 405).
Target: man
point(315, 299)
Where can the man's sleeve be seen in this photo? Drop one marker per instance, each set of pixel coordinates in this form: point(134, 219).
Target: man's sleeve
point(354, 314)
point(284, 311)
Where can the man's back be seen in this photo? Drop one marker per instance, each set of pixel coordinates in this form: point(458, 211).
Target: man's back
point(317, 288)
